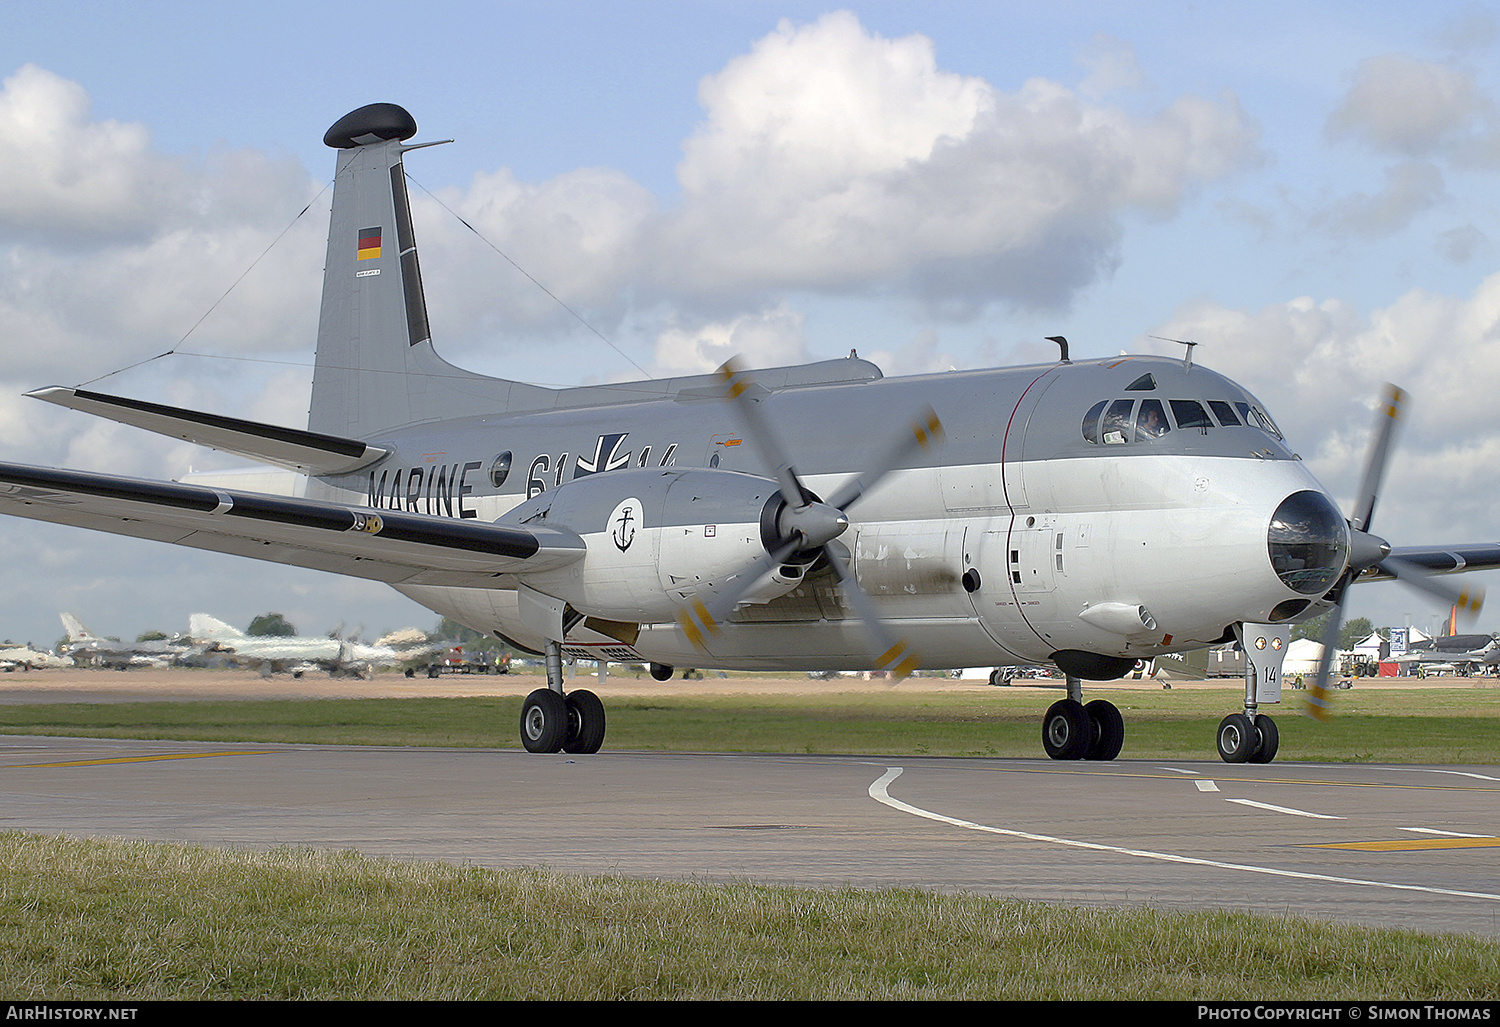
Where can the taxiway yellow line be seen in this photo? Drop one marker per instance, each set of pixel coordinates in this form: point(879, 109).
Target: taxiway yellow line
point(136, 759)
point(1413, 844)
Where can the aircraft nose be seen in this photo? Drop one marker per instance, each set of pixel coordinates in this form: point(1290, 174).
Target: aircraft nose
point(1308, 541)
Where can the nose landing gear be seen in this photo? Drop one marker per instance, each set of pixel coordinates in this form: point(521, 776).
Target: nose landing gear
point(1252, 736)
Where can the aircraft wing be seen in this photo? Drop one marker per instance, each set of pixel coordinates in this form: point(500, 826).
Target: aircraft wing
point(383, 545)
point(1475, 556)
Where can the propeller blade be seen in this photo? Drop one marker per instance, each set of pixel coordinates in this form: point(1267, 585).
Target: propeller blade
point(1386, 420)
point(808, 524)
point(1366, 549)
point(701, 619)
point(891, 653)
point(738, 386)
point(1317, 702)
point(1468, 598)
point(923, 432)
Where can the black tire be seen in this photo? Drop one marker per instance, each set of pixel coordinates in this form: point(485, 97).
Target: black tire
point(1107, 730)
point(585, 723)
point(544, 721)
point(1066, 730)
point(1237, 738)
point(661, 671)
point(1270, 740)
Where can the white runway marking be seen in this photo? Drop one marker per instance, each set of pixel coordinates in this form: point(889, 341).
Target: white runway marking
point(879, 792)
point(1445, 834)
point(1206, 786)
point(1284, 809)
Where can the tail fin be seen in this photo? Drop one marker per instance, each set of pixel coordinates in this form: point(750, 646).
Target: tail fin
point(202, 626)
point(75, 629)
point(376, 368)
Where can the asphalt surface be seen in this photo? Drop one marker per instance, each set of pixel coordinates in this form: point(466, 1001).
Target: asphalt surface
point(1402, 846)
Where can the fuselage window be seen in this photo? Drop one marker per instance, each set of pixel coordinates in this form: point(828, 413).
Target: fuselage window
point(500, 469)
point(1116, 428)
point(1145, 383)
point(1151, 423)
point(1091, 421)
point(1224, 412)
point(1190, 414)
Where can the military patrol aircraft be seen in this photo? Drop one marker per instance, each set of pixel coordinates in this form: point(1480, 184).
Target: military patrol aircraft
point(1087, 515)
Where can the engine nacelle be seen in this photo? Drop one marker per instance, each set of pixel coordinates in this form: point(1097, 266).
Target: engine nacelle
point(658, 537)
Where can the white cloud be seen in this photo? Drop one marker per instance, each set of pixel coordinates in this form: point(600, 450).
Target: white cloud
point(834, 159)
point(1399, 104)
point(769, 338)
point(66, 174)
point(1411, 188)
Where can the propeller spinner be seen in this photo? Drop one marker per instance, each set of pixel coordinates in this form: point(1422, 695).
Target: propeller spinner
point(807, 527)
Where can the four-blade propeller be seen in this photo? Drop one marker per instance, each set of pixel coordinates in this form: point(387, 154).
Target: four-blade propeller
point(807, 528)
point(1367, 551)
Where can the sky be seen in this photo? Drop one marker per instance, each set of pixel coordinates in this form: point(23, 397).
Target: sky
point(1306, 190)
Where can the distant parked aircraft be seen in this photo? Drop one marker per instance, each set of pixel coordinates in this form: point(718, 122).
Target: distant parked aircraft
point(90, 650)
point(296, 654)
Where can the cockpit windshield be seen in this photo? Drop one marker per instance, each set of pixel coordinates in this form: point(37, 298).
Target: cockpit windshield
point(1122, 422)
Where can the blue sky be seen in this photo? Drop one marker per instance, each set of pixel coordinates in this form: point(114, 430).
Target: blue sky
point(1307, 190)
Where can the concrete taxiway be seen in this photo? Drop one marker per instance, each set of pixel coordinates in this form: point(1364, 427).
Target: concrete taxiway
point(1401, 846)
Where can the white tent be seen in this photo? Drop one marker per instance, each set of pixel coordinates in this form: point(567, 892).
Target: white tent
point(1302, 657)
point(1369, 649)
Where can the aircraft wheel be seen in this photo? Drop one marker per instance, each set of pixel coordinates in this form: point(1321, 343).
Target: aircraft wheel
point(585, 722)
point(1066, 730)
point(661, 671)
point(1108, 730)
point(1237, 738)
point(1270, 740)
point(544, 721)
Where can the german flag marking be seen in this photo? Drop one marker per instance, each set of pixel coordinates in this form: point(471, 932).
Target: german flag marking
point(369, 244)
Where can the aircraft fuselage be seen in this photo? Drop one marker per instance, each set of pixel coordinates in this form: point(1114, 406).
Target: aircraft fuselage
point(1121, 508)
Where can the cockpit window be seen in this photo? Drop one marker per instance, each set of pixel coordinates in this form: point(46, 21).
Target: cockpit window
point(1115, 431)
point(1118, 422)
point(1257, 417)
point(1145, 383)
point(1224, 412)
point(1091, 421)
point(1190, 414)
point(1151, 422)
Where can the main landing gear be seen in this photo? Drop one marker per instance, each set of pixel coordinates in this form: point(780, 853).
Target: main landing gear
point(1072, 730)
point(554, 722)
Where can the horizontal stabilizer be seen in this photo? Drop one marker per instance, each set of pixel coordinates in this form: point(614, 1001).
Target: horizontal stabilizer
point(382, 545)
point(304, 451)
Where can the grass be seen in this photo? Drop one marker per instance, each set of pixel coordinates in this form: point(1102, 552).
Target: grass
point(135, 921)
point(1429, 725)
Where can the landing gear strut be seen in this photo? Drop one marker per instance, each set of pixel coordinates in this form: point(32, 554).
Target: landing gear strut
point(1252, 736)
point(1073, 731)
point(554, 722)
